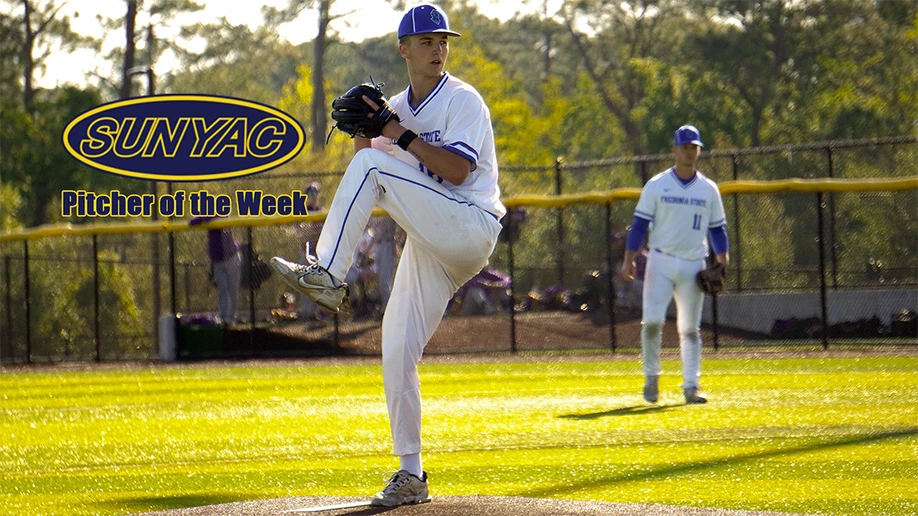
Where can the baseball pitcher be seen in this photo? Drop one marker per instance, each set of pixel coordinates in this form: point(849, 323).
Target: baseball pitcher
point(427, 158)
point(680, 207)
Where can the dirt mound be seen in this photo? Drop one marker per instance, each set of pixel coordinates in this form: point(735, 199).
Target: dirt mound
point(448, 506)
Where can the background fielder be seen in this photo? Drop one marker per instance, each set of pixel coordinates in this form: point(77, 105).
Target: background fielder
point(435, 173)
point(680, 207)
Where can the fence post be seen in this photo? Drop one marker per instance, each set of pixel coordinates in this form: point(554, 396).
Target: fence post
point(252, 348)
point(187, 286)
point(95, 298)
point(644, 177)
point(610, 266)
point(155, 279)
point(171, 240)
point(736, 232)
point(560, 249)
point(172, 301)
point(822, 272)
point(337, 333)
point(9, 307)
point(28, 304)
point(833, 246)
point(714, 320)
point(509, 229)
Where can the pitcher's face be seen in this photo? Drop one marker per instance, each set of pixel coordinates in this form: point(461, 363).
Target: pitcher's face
point(426, 53)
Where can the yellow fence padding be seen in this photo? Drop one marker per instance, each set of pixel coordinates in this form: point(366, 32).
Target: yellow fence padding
point(537, 201)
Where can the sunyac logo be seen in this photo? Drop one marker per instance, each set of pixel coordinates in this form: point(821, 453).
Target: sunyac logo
point(184, 137)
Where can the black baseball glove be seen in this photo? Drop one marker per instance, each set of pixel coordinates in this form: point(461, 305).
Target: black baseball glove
point(352, 115)
point(711, 280)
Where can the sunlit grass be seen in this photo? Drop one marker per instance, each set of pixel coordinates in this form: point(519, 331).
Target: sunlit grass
point(816, 435)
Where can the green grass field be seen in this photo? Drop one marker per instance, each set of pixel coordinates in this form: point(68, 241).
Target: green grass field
point(816, 435)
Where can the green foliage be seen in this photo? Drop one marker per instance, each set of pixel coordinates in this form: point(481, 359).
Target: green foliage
point(36, 162)
point(296, 101)
point(767, 259)
point(868, 252)
point(811, 70)
point(62, 283)
point(777, 435)
point(238, 62)
point(10, 204)
point(516, 127)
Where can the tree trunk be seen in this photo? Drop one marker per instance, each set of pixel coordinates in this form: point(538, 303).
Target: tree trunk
point(40, 199)
point(319, 122)
point(546, 57)
point(130, 20)
point(28, 90)
point(756, 125)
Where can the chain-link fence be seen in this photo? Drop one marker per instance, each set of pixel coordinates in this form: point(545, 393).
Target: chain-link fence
point(809, 268)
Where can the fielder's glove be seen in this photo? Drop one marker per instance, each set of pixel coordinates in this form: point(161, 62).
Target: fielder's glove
point(356, 118)
point(711, 280)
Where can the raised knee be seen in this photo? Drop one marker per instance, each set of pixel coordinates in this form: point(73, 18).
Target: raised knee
point(368, 155)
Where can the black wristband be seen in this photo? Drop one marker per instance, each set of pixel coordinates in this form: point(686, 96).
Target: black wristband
point(405, 139)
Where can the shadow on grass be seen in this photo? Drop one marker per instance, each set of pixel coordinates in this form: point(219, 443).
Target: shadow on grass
point(678, 469)
point(152, 503)
point(624, 411)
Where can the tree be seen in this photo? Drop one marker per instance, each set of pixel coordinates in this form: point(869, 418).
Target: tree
point(42, 28)
point(274, 17)
point(238, 61)
point(34, 159)
point(130, 47)
point(11, 45)
point(753, 53)
point(627, 38)
point(156, 14)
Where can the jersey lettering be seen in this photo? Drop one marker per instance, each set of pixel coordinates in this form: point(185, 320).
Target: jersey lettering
point(430, 137)
point(672, 199)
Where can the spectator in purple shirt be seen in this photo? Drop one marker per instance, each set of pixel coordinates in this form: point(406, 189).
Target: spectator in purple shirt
point(226, 262)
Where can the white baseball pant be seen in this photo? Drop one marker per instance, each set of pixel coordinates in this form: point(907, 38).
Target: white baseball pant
point(227, 274)
point(449, 241)
point(667, 278)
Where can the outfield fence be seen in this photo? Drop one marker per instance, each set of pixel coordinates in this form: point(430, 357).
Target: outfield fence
point(824, 246)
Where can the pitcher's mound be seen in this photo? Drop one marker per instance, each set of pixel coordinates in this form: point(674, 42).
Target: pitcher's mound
point(449, 506)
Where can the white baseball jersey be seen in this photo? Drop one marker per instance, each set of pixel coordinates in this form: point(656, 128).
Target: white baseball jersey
point(680, 214)
point(454, 117)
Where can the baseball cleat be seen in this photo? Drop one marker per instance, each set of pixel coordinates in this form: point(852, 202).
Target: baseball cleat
point(652, 389)
point(403, 488)
point(313, 280)
point(693, 396)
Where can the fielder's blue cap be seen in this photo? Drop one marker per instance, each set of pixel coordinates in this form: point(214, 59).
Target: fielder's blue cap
point(424, 19)
point(687, 134)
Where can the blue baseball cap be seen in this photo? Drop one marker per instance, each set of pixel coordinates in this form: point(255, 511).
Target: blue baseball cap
point(424, 19)
point(687, 134)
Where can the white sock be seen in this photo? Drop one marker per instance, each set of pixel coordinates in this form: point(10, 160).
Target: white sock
point(412, 464)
